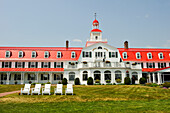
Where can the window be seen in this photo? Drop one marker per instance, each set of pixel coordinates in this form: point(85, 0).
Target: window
point(87, 54)
point(7, 54)
point(58, 64)
point(150, 65)
point(44, 76)
point(97, 75)
point(100, 54)
point(31, 76)
point(32, 64)
point(33, 54)
point(138, 56)
point(118, 75)
point(85, 75)
point(113, 54)
point(96, 37)
point(125, 55)
point(149, 55)
point(7, 64)
point(46, 54)
point(135, 75)
point(58, 54)
point(58, 76)
point(160, 55)
point(99, 47)
point(71, 76)
point(19, 64)
point(45, 64)
point(161, 65)
point(17, 77)
point(107, 75)
point(20, 54)
point(3, 76)
point(73, 54)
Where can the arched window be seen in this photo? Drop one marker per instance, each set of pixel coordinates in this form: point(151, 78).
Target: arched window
point(96, 37)
point(71, 76)
point(46, 54)
point(118, 75)
point(20, 55)
point(7, 54)
point(107, 75)
point(99, 47)
point(135, 75)
point(124, 55)
point(58, 54)
point(97, 75)
point(149, 55)
point(160, 55)
point(85, 75)
point(73, 54)
point(138, 56)
point(127, 73)
point(33, 54)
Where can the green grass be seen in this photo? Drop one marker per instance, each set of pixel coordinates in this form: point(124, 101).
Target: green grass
point(8, 88)
point(97, 98)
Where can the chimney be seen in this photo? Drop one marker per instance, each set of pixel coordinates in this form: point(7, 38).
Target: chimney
point(126, 44)
point(67, 42)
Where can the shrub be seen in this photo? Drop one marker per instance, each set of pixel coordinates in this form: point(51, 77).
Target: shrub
point(108, 81)
point(127, 81)
point(48, 83)
point(77, 81)
point(30, 82)
point(142, 80)
point(148, 84)
point(154, 85)
point(118, 80)
point(16, 82)
point(64, 81)
point(59, 82)
point(33, 83)
point(42, 83)
point(90, 81)
point(133, 81)
point(114, 83)
point(166, 84)
point(97, 81)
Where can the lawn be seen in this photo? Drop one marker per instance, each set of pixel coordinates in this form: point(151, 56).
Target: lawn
point(96, 98)
point(8, 88)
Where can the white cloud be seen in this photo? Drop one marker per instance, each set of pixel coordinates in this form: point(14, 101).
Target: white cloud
point(77, 40)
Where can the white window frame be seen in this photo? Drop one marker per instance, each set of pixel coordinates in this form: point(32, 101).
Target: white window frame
point(46, 53)
point(160, 54)
point(124, 55)
point(20, 54)
point(58, 54)
point(33, 53)
point(73, 54)
point(149, 54)
point(138, 53)
point(7, 53)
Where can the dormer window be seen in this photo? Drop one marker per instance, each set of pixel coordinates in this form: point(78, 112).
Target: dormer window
point(138, 56)
point(124, 55)
point(149, 55)
point(160, 55)
point(20, 54)
point(73, 54)
point(33, 54)
point(7, 54)
point(58, 54)
point(46, 54)
point(96, 37)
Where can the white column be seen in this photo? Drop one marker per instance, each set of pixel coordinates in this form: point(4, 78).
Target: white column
point(13, 65)
point(153, 77)
point(113, 77)
point(26, 64)
point(144, 64)
point(0, 64)
point(7, 81)
point(159, 78)
point(51, 78)
point(123, 77)
point(37, 77)
point(22, 78)
point(39, 64)
point(149, 78)
point(102, 78)
point(52, 64)
point(156, 64)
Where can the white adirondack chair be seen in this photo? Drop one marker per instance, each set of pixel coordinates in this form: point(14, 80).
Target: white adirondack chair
point(26, 89)
point(47, 89)
point(59, 89)
point(69, 89)
point(37, 89)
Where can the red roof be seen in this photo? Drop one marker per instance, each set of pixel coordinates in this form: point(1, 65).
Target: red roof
point(32, 69)
point(66, 53)
point(131, 53)
point(95, 21)
point(96, 30)
point(153, 69)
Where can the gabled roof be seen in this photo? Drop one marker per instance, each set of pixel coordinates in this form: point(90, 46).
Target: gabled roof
point(131, 53)
point(66, 53)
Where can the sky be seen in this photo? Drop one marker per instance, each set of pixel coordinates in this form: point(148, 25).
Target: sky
point(143, 23)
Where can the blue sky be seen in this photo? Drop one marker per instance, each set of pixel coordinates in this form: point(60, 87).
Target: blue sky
point(144, 23)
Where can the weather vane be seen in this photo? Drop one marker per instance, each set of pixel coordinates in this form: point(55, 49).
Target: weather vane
point(95, 15)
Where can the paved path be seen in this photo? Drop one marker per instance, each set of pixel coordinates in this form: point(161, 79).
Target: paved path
point(7, 93)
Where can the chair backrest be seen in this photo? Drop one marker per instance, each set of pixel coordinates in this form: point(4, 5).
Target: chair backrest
point(37, 86)
point(59, 86)
point(47, 86)
point(69, 86)
point(27, 86)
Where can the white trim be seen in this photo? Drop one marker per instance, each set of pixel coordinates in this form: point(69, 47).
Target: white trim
point(160, 55)
point(124, 55)
point(149, 54)
point(8, 53)
point(20, 53)
point(138, 53)
point(46, 53)
point(34, 53)
point(73, 54)
point(58, 54)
